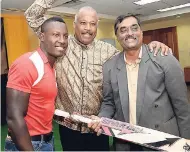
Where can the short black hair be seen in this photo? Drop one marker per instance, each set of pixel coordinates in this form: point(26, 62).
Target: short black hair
point(121, 18)
point(49, 20)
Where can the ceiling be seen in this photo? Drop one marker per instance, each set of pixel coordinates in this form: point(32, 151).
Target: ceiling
point(108, 9)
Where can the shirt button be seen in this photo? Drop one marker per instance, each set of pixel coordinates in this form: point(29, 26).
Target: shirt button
point(156, 126)
point(156, 106)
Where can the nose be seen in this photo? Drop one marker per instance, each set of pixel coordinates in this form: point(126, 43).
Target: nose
point(62, 39)
point(129, 31)
point(87, 27)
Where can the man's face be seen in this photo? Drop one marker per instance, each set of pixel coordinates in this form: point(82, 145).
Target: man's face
point(86, 27)
point(55, 39)
point(129, 34)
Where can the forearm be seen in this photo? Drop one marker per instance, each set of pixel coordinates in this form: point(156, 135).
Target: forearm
point(107, 111)
point(20, 134)
point(35, 13)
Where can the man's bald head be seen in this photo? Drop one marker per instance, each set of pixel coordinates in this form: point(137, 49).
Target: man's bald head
point(86, 10)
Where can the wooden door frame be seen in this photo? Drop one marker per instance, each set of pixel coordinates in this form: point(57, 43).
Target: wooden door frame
point(175, 40)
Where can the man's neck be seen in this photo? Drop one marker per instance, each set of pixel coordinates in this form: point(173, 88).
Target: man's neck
point(50, 58)
point(132, 55)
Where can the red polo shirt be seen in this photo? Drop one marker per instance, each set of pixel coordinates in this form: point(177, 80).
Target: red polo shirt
point(22, 75)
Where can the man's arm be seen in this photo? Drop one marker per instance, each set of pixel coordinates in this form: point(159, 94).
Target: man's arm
point(17, 105)
point(177, 90)
point(108, 106)
point(35, 13)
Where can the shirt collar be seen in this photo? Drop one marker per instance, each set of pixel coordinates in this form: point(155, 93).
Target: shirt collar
point(137, 60)
point(42, 55)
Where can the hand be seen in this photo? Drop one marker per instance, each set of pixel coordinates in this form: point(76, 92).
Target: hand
point(95, 124)
point(156, 46)
point(69, 120)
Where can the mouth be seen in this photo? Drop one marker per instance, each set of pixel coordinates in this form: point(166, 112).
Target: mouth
point(130, 39)
point(87, 35)
point(59, 48)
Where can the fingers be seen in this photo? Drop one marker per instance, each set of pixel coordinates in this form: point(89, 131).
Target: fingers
point(95, 124)
point(154, 46)
point(165, 50)
point(68, 120)
point(157, 46)
point(99, 132)
point(170, 50)
point(156, 49)
point(151, 46)
point(98, 127)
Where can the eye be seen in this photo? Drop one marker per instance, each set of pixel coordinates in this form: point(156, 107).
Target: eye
point(123, 30)
point(56, 34)
point(134, 28)
point(66, 36)
point(93, 24)
point(82, 23)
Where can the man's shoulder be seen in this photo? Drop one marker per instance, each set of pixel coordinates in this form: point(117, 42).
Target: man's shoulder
point(113, 61)
point(23, 59)
point(166, 60)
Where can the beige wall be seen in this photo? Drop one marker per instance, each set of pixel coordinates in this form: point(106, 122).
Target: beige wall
point(183, 35)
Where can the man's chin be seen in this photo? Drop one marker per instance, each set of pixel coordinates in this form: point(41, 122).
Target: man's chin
point(132, 46)
point(62, 53)
point(86, 41)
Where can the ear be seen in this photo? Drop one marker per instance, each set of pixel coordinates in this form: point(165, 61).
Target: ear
point(41, 37)
point(74, 24)
point(117, 37)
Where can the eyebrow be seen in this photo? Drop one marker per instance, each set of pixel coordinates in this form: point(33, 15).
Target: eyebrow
point(135, 24)
point(123, 27)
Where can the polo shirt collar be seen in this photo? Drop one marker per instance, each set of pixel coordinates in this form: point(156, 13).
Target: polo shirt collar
point(42, 55)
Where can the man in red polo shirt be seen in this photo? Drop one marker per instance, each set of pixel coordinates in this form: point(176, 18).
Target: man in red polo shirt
point(32, 89)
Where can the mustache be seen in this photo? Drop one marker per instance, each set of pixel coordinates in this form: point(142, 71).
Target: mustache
point(130, 37)
point(87, 32)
